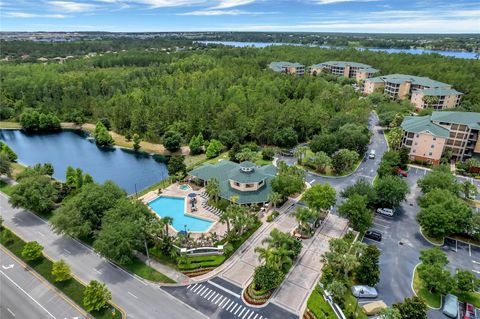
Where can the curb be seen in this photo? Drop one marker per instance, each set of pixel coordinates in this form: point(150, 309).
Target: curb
point(415, 293)
point(430, 242)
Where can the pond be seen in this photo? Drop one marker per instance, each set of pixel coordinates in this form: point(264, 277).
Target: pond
point(455, 54)
point(130, 170)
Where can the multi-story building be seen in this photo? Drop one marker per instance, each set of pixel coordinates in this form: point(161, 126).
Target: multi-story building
point(358, 71)
point(288, 67)
point(422, 91)
point(427, 137)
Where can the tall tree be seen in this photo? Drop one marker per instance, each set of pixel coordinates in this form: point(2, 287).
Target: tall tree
point(355, 209)
point(320, 197)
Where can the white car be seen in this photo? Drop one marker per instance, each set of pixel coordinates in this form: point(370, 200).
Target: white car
point(385, 212)
point(361, 291)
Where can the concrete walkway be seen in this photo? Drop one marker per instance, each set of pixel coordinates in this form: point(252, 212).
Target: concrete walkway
point(166, 270)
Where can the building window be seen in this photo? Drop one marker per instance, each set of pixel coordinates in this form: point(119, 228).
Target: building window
point(237, 184)
point(416, 143)
point(413, 150)
point(249, 185)
point(417, 135)
point(433, 145)
point(430, 154)
point(434, 138)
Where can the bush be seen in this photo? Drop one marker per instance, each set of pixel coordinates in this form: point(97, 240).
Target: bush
point(32, 251)
point(268, 153)
point(267, 278)
point(61, 271)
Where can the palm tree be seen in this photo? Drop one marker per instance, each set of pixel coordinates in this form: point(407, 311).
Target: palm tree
point(234, 199)
point(275, 198)
point(267, 254)
point(303, 216)
point(213, 189)
point(226, 217)
point(300, 153)
point(167, 220)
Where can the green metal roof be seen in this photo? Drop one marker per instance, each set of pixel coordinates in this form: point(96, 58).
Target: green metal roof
point(423, 124)
point(418, 80)
point(439, 92)
point(278, 66)
point(375, 80)
point(224, 171)
point(343, 64)
point(471, 119)
point(369, 70)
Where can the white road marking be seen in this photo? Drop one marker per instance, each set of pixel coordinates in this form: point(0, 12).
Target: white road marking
point(8, 267)
point(208, 293)
point(18, 218)
point(476, 271)
point(132, 295)
point(41, 234)
point(218, 299)
point(225, 304)
point(13, 282)
point(251, 314)
point(204, 291)
point(214, 294)
point(475, 262)
point(67, 251)
point(97, 271)
point(243, 309)
point(224, 289)
point(311, 181)
point(233, 307)
point(11, 312)
point(245, 314)
point(198, 288)
point(256, 315)
point(191, 287)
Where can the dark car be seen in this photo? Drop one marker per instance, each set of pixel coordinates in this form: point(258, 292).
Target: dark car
point(372, 234)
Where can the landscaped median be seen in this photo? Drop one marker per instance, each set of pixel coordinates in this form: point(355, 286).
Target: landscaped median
point(72, 288)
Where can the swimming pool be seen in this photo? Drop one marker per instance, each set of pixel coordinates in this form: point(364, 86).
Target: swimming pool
point(175, 208)
point(184, 187)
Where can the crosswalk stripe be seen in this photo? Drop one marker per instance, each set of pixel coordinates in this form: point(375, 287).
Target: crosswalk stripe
point(225, 304)
point(221, 297)
point(251, 315)
point(233, 307)
point(214, 294)
point(241, 311)
point(260, 317)
point(256, 315)
point(198, 288)
point(209, 293)
point(245, 314)
point(216, 297)
point(201, 295)
point(191, 286)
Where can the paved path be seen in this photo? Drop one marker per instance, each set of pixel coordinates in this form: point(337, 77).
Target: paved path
point(24, 294)
point(137, 297)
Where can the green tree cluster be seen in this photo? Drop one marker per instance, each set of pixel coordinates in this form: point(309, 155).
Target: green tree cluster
point(289, 180)
point(33, 120)
point(101, 135)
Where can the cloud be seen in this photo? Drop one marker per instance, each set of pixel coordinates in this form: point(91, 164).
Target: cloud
point(220, 13)
point(33, 15)
point(225, 4)
point(167, 3)
point(338, 1)
point(70, 6)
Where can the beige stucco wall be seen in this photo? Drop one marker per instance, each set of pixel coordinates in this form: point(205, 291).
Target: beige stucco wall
point(370, 87)
point(243, 187)
point(315, 70)
point(404, 89)
point(450, 101)
point(417, 100)
point(346, 71)
point(424, 144)
point(361, 75)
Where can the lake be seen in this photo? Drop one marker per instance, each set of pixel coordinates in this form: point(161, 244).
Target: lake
point(455, 54)
point(69, 147)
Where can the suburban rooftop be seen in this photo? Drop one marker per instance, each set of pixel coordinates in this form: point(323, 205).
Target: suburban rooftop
point(401, 78)
point(343, 64)
point(277, 66)
point(471, 119)
point(440, 91)
point(423, 124)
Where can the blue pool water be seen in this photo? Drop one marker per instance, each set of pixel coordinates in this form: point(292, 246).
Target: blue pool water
point(175, 208)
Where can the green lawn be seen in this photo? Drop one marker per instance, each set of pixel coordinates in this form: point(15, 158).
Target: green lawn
point(4, 124)
point(197, 262)
point(222, 156)
point(351, 304)
point(319, 307)
point(6, 188)
point(432, 300)
point(469, 297)
point(165, 183)
point(71, 288)
point(139, 268)
point(435, 240)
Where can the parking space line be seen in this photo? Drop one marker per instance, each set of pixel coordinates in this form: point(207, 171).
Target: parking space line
point(469, 250)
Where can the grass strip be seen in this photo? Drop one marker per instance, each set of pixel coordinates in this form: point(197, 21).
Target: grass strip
point(319, 307)
point(72, 288)
point(433, 300)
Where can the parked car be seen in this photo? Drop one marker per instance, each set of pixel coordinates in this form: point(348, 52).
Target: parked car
point(372, 234)
point(402, 173)
point(371, 155)
point(469, 312)
point(385, 211)
point(450, 306)
point(361, 291)
point(374, 308)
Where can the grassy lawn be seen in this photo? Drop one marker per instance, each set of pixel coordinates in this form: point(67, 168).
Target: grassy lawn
point(469, 297)
point(195, 160)
point(139, 268)
point(221, 157)
point(71, 288)
point(165, 183)
point(435, 240)
point(17, 169)
point(319, 307)
point(6, 188)
point(4, 124)
point(432, 300)
point(351, 304)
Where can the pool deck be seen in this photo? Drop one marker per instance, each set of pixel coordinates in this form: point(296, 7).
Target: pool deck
point(175, 191)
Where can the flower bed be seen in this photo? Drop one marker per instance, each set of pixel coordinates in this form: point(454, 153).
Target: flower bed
point(255, 297)
point(197, 272)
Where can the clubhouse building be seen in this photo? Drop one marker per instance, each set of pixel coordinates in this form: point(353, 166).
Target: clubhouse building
point(422, 91)
point(249, 182)
point(427, 137)
point(358, 71)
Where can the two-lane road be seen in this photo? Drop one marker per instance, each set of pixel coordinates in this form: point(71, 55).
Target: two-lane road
point(23, 294)
point(137, 297)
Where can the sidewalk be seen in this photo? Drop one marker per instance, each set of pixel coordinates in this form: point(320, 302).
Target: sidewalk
point(179, 277)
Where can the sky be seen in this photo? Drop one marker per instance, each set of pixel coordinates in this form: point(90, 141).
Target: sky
point(372, 16)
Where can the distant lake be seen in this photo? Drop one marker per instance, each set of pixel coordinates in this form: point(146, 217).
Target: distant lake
point(455, 54)
point(69, 147)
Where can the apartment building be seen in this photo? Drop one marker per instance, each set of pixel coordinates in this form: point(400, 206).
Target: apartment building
point(427, 137)
point(358, 71)
point(288, 68)
point(422, 91)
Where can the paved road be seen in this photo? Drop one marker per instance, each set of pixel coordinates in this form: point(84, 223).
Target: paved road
point(137, 297)
point(24, 295)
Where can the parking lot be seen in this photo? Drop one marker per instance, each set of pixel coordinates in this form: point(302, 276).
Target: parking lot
point(401, 245)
